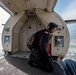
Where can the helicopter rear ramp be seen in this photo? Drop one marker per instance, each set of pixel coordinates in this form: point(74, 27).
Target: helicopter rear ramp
point(19, 66)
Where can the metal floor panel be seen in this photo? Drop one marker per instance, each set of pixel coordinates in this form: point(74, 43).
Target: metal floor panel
point(21, 54)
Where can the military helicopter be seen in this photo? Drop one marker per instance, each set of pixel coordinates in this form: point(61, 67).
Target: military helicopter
point(28, 17)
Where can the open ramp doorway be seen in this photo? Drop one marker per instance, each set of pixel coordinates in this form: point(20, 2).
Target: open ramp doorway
point(4, 16)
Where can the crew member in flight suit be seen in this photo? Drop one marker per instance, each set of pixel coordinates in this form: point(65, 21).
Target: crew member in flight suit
point(39, 56)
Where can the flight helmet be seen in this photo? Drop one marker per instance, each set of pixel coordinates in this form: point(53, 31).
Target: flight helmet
point(51, 25)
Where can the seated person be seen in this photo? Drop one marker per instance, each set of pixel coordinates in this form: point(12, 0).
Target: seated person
point(69, 67)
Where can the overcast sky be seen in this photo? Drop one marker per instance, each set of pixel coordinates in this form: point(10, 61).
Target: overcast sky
point(66, 8)
point(4, 16)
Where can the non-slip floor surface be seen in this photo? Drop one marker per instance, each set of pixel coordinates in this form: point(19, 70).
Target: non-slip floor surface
point(19, 66)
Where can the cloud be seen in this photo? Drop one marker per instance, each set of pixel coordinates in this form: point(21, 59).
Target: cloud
point(73, 42)
point(4, 16)
point(70, 11)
